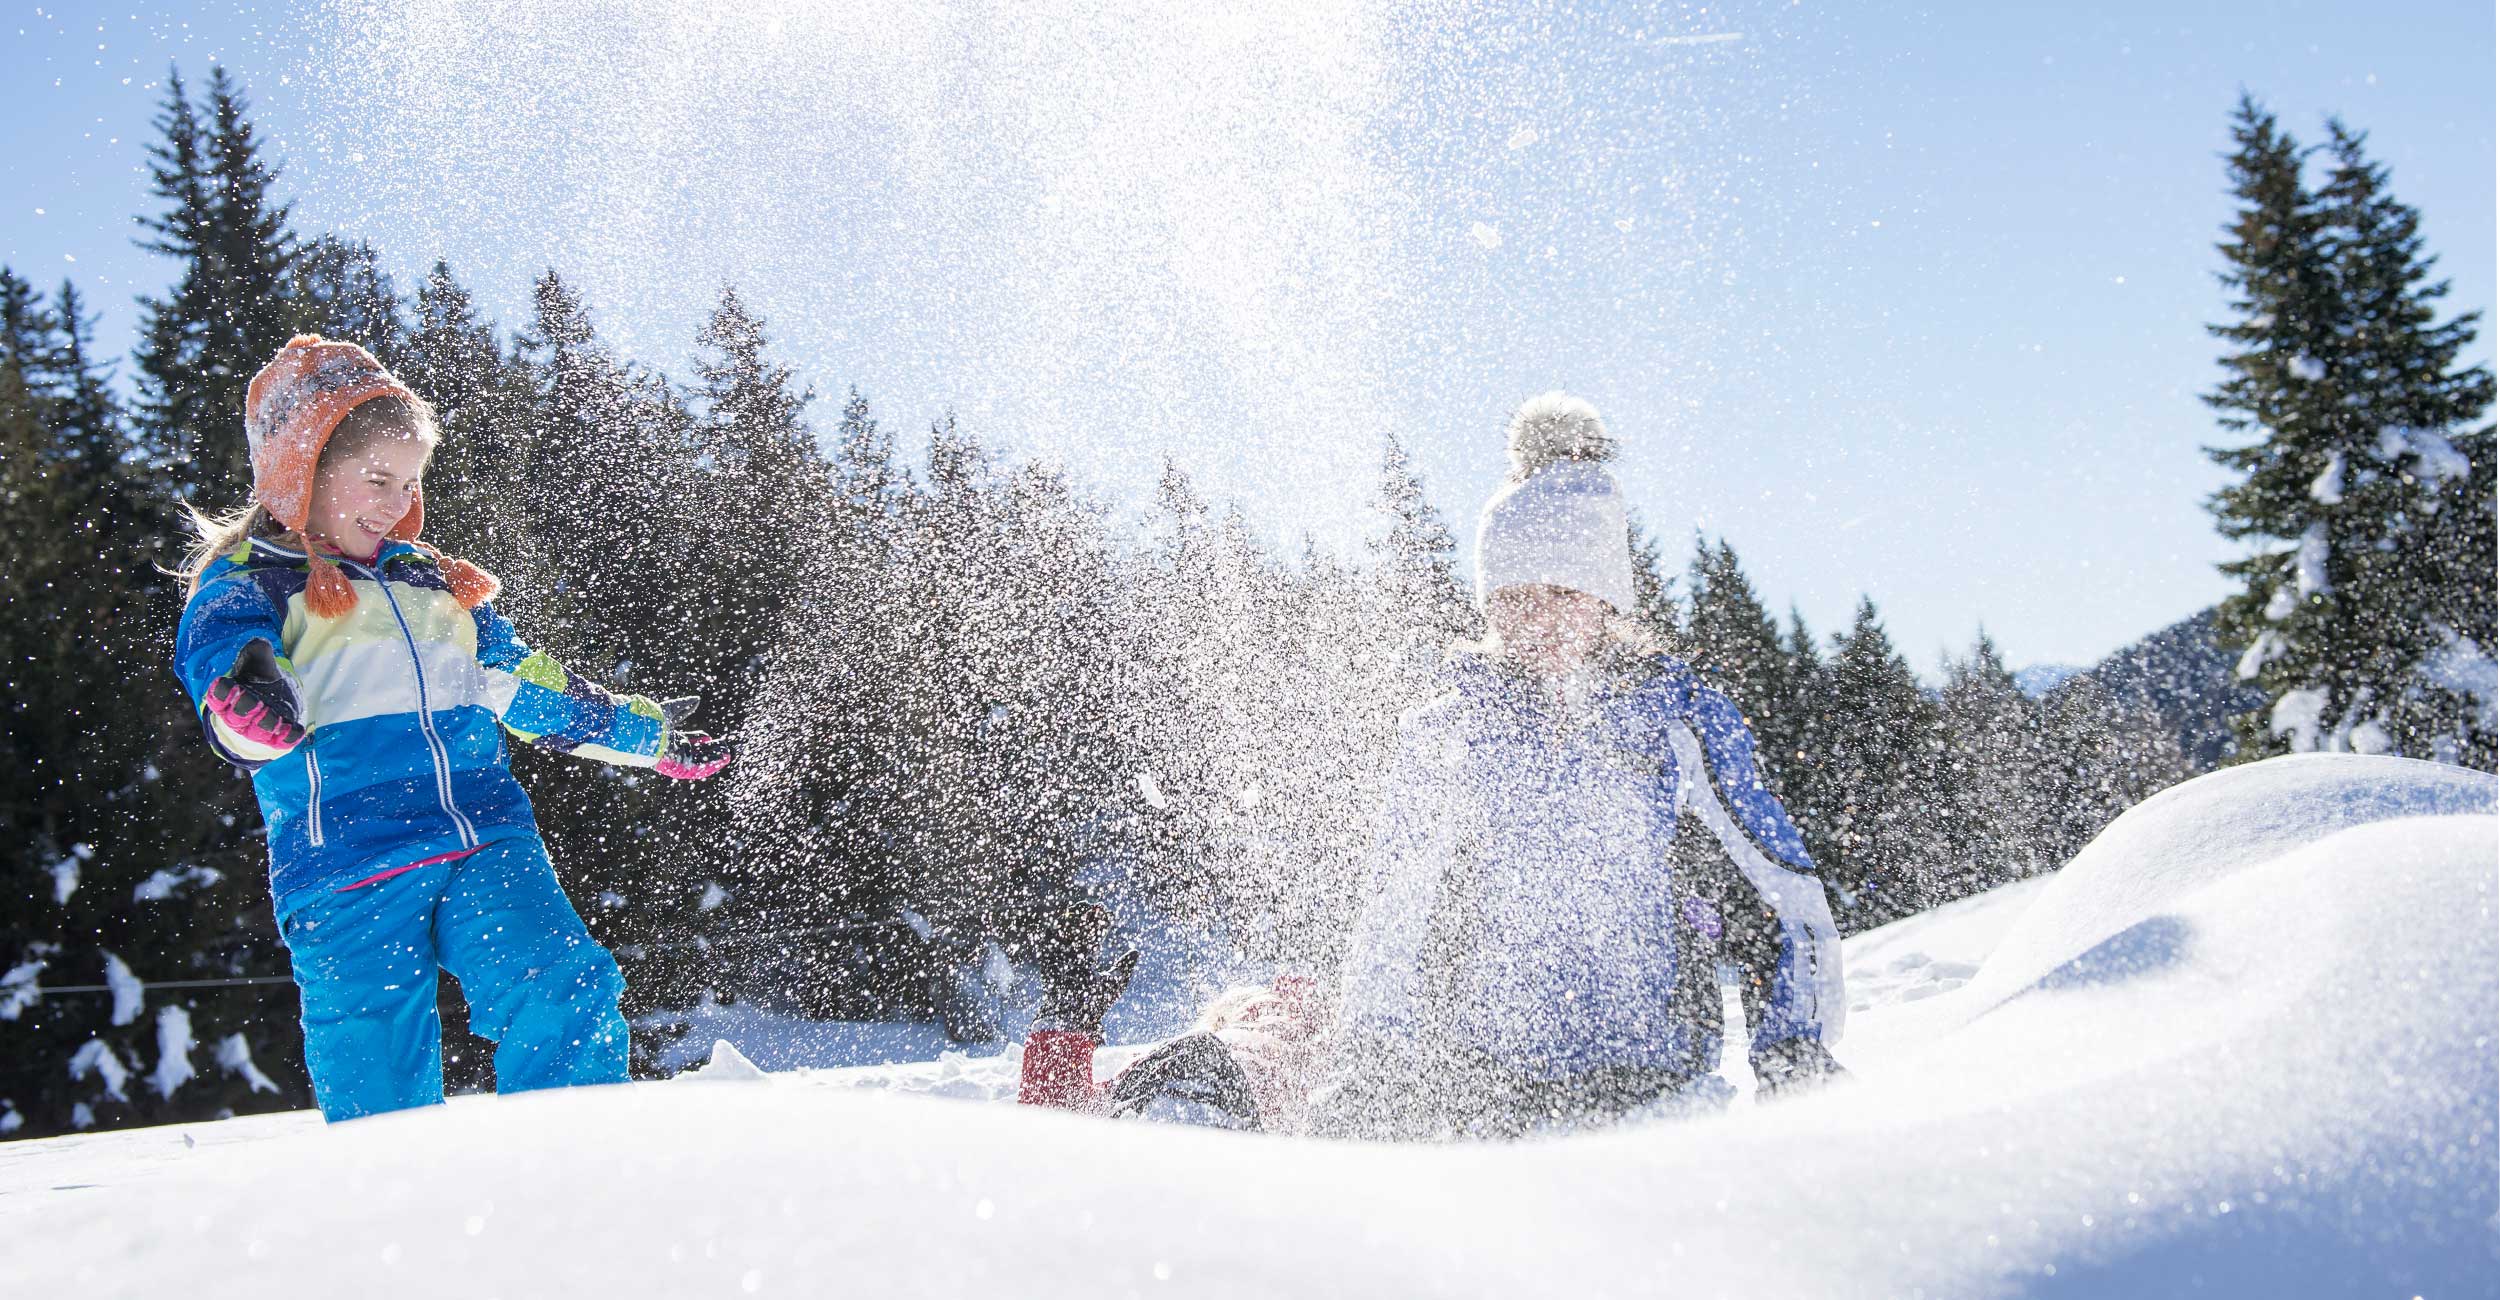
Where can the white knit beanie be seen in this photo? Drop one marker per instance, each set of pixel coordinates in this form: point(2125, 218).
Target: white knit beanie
point(1559, 521)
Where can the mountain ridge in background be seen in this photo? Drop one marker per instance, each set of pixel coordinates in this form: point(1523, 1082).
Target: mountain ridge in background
point(2184, 674)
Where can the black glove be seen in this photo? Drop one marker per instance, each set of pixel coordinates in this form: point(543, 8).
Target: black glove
point(1077, 993)
point(693, 756)
point(1195, 1077)
point(255, 700)
point(1795, 1064)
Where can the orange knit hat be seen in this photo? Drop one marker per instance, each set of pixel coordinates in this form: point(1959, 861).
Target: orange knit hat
point(289, 413)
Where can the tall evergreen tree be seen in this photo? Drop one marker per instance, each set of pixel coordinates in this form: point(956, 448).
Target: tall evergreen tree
point(1987, 811)
point(1736, 645)
point(1812, 724)
point(2358, 410)
point(25, 333)
point(340, 291)
point(763, 483)
point(486, 406)
point(1654, 606)
point(88, 427)
point(1415, 558)
point(1877, 771)
point(117, 828)
point(2100, 756)
point(232, 305)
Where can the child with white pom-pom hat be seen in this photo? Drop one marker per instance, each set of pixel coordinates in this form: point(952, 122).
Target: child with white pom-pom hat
point(1526, 958)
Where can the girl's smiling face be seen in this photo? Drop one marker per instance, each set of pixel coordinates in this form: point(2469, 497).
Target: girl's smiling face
point(1548, 630)
point(363, 490)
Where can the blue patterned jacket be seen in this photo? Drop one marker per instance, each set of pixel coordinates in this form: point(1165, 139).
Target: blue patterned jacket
point(406, 702)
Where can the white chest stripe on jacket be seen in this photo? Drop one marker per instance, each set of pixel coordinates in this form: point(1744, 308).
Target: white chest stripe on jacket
point(1797, 897)
point(363, 680)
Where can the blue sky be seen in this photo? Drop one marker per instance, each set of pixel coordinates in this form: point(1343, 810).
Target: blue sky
point(1902, 300)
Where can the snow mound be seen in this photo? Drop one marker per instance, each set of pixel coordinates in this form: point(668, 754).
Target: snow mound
point(726, 1065)
point(2202, 831)
point(2244, 1047)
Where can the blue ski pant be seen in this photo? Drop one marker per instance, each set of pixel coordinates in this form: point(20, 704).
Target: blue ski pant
point(365, 959)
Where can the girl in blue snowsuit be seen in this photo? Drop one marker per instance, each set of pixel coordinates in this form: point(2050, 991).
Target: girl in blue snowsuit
point(366, 683)
point(1528, 956)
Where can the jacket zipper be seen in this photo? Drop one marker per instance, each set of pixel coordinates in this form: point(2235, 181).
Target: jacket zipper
point(425, 721)
point(312, 772)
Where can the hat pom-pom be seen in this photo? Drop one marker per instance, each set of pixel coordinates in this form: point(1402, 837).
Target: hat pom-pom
point(1554, 427)
point(469, 584)
point(327, 592)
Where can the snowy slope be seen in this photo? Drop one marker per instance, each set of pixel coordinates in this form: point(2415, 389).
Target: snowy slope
point(2243, 1044)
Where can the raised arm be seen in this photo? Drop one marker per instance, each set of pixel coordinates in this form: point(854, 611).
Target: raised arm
point(551, 706)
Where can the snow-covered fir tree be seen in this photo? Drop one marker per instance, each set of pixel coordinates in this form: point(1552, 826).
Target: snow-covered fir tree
point(2367, 612)
point(1415, 558)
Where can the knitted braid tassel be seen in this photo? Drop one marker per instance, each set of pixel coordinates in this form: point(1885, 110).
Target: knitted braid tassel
point(327, 592)
point(469, 584)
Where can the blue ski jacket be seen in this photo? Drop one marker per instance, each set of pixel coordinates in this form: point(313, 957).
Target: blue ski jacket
point(404, 702)
point(1521, 900)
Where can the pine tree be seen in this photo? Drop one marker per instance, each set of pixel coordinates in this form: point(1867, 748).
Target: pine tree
point(605, 467)
point(485, 406)
point(1654, 607)
point(1805, 788)
point(1878, 778)
point(1987, 810)
point(25, 331)
point(2353, 395)
point(2427, 502)
point(763, 484)
point(1415, 560)
point(88, 431)
point(232, 306)
point(175, 403)
point(340, 291)
point(1737, 647)
point(2100, 756)
point(118, 827)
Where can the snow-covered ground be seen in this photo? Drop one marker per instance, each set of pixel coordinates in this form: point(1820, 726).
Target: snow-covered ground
point(2243, 1045)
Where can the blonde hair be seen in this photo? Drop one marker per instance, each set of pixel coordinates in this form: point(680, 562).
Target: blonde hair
point(216, 534)
point(1228, 1006)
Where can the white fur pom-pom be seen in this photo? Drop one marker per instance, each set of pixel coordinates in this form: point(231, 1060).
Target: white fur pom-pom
point(1556, 426)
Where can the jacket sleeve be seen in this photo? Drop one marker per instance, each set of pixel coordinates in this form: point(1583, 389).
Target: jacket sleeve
point(1384, 954)
point(1058, 1071)
point(551, 706)
point(227, 613)
point(1779, 923)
